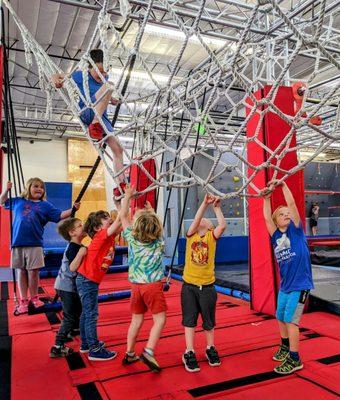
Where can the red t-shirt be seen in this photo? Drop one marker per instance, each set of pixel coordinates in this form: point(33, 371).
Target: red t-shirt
point(99, 256)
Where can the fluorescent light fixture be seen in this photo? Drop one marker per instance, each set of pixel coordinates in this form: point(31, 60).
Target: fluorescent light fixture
point(141, 76)
point(310, 154)
point(178, 35)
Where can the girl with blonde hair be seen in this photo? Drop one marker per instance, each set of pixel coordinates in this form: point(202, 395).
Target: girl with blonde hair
point(31, 213)
point(146, 247)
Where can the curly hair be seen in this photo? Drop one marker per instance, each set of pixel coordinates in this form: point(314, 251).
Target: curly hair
point(146, 227)
point(93, 221)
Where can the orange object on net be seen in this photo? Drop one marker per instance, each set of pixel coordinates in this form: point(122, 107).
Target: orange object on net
point(316, 120)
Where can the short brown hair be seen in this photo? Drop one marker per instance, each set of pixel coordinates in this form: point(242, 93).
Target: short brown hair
point(275, 213)
point(65, 226)
point(146, 227)
point(27, 191)
point(94, 220)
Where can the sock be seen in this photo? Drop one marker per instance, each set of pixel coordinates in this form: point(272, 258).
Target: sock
point(209, 347)
point(285, 342)
point(149, 351)
point(57, 346)
point(131, 353)
point(294, 355)
point(187, 351)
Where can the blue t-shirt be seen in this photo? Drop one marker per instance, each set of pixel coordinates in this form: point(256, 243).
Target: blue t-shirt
point(292, 254)
point(30, 217)
point(94, 86)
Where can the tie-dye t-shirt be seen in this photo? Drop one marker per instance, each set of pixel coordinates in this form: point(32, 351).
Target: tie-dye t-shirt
point(145, 259)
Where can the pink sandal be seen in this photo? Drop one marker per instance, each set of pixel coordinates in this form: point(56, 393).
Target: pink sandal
point(22, 308)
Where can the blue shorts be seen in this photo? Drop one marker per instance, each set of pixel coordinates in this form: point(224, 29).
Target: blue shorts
point(87, 117)
point(290, 306)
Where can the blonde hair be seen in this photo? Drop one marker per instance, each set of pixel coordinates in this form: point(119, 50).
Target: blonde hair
point(113, 214)
point(276, 212)
point(27, 191)
point(146, 226)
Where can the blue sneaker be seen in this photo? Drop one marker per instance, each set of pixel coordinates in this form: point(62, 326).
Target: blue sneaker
point(101, 354)
point(85, 348)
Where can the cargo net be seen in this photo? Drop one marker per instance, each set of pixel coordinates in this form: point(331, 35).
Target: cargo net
point(205, 114)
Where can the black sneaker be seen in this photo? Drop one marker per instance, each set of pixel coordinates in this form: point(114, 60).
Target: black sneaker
point(190, 362)
point(130, 359)
point(62, 351)
point(150, 361)
point(212, 356)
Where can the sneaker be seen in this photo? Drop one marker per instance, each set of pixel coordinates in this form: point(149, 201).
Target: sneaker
point(62, 351)
point(117, 193)
point(190, 362)
point(96, 131)
point(288, 366)
point(130, 359)
point(150, 361)
point(101, 354)
point(36, 302)
point(212, 356)
point(281, 353)
point(85, 348)
point(22, 308)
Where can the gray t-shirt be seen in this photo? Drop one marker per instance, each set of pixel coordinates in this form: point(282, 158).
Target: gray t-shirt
point(66, 279)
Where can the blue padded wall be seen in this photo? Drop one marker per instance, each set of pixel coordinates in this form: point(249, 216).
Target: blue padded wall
point(60, 195)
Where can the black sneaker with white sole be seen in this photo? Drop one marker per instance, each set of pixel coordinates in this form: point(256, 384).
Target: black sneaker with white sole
point(213, 357)
point(60, 351)
point(190, 362)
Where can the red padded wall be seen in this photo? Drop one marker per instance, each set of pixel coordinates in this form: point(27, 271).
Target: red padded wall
point(264, 277)
point(141, 181)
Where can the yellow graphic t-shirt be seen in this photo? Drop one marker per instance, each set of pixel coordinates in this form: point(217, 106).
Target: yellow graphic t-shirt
point(199, 266)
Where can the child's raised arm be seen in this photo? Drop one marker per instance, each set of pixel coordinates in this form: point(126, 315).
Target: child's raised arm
point(295, 217)
point(221, 226)
point(67, 213)
point(267, 211)
point(4, 194)
point(124, 210)
point(208, 199)
point(75, 264)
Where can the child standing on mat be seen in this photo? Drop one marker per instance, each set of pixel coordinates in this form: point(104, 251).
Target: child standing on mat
point(145, 252)
point(97, 90)
point(198, 294)
point(102, 230)
point(71, 230)
point(293, 257)
point(31, 213)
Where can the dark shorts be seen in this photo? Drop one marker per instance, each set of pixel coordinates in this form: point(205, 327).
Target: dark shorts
point(313, 223)
point(197, 300)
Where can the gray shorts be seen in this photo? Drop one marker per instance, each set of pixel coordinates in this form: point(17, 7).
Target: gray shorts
point(27, 257)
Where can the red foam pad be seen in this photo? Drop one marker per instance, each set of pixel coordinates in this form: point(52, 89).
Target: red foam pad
point(34, 374)
point(233, 367)
point(280, 389)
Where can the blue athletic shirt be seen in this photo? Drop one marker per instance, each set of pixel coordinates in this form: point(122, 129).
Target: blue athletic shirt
point(30, 218)
point(292, 254)
point(94, 86)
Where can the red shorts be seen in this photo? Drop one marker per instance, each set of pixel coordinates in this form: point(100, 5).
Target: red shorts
point(147, 296)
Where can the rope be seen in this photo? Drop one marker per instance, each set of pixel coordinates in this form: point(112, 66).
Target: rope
point(216, 78)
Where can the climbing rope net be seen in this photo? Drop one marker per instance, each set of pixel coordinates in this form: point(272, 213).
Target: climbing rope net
point(205, 114)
